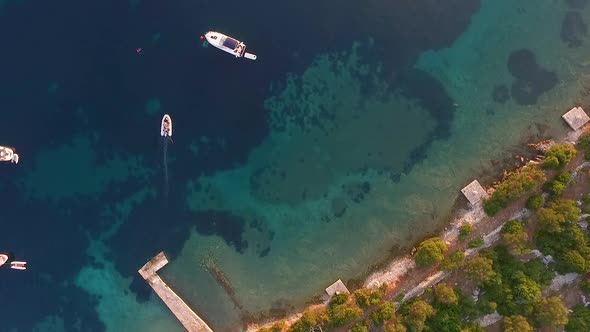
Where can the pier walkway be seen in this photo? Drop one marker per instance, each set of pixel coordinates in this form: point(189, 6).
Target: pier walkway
point(189, 319)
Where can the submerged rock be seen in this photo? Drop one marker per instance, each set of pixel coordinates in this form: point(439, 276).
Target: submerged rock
point(573, 29)
point(501, 93)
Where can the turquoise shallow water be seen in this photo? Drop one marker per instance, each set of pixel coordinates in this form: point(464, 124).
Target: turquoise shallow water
point(362, 156)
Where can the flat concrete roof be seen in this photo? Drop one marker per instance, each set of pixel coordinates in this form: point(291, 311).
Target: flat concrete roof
point(474, 192)
point(337, 288)
point(576, 118)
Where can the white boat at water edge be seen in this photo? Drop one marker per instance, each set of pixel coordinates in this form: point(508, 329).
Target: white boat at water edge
point(229, 45)
point(7, 154)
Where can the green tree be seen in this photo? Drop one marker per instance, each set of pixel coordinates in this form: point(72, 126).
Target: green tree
point(567, 208)
point(394, 326)
point(579, 320)
point(445, 294)
point(550, 312)
point(480, 269)
point(555, 188)
point(525, 289)
point(310, 319)
point(417, 313)
point(550, 219)
point(517, 323)
point(573, 261)
point(534, 202)
point(385, 312)
point(359, 327)
point(366, 297)
point(430, 251)
point(562, 152)
point(453, 261)
point(515, 236)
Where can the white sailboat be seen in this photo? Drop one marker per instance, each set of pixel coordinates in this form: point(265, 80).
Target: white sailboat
point(229, 45)
point(7, 154)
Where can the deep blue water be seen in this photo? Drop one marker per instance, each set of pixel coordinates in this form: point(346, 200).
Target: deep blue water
point(88, 49)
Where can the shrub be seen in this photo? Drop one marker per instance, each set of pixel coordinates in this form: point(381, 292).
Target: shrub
point(579, 320)
point(513, 187)
point(534, 202)
point(399, 297)
point(584, 142)
point(550, 312)
point(517, 323)
point(277, 327)
point(587, 155)
point(453, 261)
point(563, 153)
point(430, 251)
point(464, 231)
point(476, 243)
point(480, 269)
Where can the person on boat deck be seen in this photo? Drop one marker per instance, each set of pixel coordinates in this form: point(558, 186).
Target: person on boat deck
point(239, 49)
point(166, 126)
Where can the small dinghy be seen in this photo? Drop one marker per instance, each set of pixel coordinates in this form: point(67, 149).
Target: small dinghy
point(166, 127)
point(229, 45)
point(7, 154)
point(18, 265)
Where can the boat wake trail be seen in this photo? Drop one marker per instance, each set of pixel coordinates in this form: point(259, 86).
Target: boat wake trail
point(165, 151)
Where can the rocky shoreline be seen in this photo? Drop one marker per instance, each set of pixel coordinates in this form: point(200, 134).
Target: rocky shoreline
point(403, 277)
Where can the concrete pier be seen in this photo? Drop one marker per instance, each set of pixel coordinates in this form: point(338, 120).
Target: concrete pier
point(189, 319)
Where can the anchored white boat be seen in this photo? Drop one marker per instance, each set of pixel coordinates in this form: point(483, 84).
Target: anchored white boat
point(229, 45)
point(166, 127)
point(7, 154)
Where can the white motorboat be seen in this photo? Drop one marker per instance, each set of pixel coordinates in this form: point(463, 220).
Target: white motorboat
point(7, 154)
point(166, 127)
point(229, 45)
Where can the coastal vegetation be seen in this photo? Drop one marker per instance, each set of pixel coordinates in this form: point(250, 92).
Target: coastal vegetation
point(511, 278)
point(513, 187)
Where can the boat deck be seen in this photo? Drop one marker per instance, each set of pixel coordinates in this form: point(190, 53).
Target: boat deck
point(189, 319)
